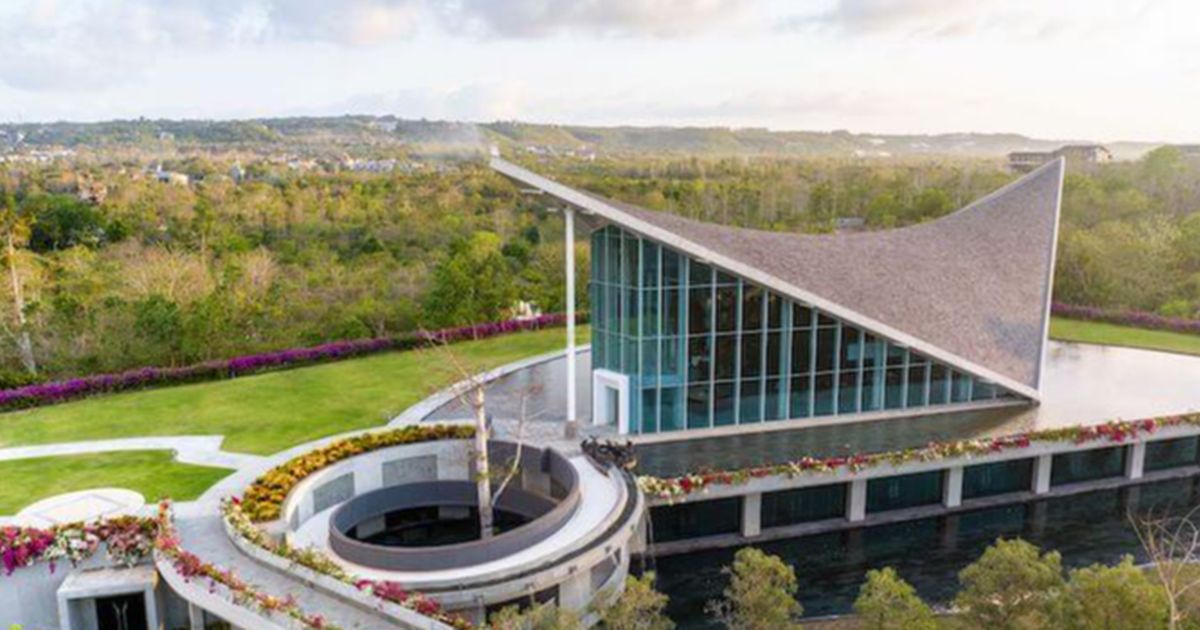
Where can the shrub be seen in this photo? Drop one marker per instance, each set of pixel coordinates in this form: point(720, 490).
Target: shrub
point(761, 594)
point(639, 607)
point(1137, 319)
point(886, 602)
point(1010, 586)
point(1119, 597)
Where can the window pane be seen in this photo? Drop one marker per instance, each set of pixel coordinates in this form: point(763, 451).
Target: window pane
point(801, 392)
point(724, 278)
point(750, 407)
point(825, 320)
point(774, 311)
point(826, 348)
point(649, 411)
point(751, 355)
point(962, 387)
point(774, 350)
point(672, 409)
point(851, 350)
point(871, 352)
point(726, 359)
point(824, 395)
point(802, 351)
point(895, 388)
point(629, 355)
point(699, 273)
point(916, 383)
point(723, 404)
point(650, 313)
point(699, 310)
point(896, 355)
point(670, 314)
point(752, 305)
point(629, 311)
point(727, 308)
point(672, 267)
point(671, 365)
point(774, 407)
point(629, 269)
point(699, 359)
point(938, 390)
point(650, 362)
point(801, 316)
point(872, 390)
point(649, 264)
point(698, 406)
point(848, 392)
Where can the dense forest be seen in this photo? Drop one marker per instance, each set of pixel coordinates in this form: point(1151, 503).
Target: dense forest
point(109, 265)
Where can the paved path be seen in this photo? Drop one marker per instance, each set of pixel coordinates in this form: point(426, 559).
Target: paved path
point(202, 450)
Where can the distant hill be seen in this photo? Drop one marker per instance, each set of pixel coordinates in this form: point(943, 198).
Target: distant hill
point(346, 132)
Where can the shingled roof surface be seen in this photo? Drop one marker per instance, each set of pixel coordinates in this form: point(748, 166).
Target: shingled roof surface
point(974, 283)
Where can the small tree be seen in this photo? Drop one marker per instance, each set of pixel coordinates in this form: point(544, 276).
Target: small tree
point(761, 594)
point(537, 617)
point(1173, 546)
point(1010, 586)
point(887, 602)
point(1119, 597)
point(639, 607)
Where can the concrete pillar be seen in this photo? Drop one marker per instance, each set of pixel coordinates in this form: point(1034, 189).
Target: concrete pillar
point(1037, 517)
point(575, 592)
point(195, 617)
point(1041, 473)
point(572, 429)
point(641, 537)
point(950, 531)
point(952, 487)
point(1135, 460)
point(751, 515)
point(856, 503)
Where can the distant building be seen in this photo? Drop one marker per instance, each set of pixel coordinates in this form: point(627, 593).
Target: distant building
point(1077, 156)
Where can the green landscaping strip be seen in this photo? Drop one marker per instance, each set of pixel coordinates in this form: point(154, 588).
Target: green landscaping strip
point(152, 473)
point(269, 412)
point(1114, 335)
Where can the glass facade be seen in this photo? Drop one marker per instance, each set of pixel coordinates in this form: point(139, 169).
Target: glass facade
point(695, 520)
point(1097, 463)
point(803, 505)
point(704, 348)
point(904, 491)
point(1164, 454)
point(985, 480)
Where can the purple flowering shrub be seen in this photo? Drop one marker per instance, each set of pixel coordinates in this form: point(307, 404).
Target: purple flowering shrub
point(58, 391)
point(1137, 319)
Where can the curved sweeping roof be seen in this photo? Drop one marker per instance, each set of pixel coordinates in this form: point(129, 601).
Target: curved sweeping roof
point(971, 289)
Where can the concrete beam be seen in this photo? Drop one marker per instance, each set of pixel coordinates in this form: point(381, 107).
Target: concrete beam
point(752, 515)
point(856, 503)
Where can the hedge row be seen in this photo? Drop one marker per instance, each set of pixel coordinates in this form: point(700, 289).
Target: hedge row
point(70, 389)
point(1136, 319)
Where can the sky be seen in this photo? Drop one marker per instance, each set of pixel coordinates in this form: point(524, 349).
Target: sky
point(1102, 70)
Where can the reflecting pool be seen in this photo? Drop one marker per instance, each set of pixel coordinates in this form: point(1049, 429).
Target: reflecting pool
point(929, 553)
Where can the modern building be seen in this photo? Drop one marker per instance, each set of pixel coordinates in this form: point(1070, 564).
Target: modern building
point(1077, 156)
point(701, 327)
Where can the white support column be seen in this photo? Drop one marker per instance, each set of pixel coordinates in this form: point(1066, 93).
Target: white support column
point(952, 487)
point(1041, 473)
point(1135, 460)
point(751, 515)
point(856, 505)
point(195, 617)
point(572, 428)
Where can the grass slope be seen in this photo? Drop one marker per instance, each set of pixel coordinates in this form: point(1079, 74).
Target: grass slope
point(151, 473)
point(1114, 335)
point(269, 412)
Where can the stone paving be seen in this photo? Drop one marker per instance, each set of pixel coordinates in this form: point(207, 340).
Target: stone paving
point(201, 450)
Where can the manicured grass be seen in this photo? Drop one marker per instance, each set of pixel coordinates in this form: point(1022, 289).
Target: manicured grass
point(1114, 335)
point(266, 413)
point(152, 473)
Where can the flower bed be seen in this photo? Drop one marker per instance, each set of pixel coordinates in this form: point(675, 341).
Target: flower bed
point(127, 540)
point(59, 391)
point(671, 488)
point(264, 498)
point(1137, 319)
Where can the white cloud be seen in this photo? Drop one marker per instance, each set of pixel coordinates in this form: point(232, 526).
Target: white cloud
point(537, 18)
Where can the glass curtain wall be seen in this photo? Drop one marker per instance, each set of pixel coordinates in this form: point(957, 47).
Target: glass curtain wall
point(704, 348)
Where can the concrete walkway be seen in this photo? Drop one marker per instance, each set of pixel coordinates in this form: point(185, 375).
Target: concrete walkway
point(201, 450)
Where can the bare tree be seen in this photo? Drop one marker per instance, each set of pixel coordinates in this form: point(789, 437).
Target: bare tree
point(1172, 544)
point(470, 390)
point(16, 231)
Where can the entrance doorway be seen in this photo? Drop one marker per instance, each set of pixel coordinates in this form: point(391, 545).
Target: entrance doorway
point(610, 400)
point(121, 612)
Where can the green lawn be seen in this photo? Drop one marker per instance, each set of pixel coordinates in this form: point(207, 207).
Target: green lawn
point(269, 412)
point(151, 473)
point(1114, 335)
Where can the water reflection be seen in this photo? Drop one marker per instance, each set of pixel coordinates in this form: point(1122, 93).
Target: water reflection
point(929, 553)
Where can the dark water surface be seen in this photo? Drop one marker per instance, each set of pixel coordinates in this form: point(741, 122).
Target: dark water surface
point(929, 553)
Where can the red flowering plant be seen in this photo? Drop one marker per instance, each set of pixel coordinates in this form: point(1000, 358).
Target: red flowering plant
point(1118, 432)
point(127, 539)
